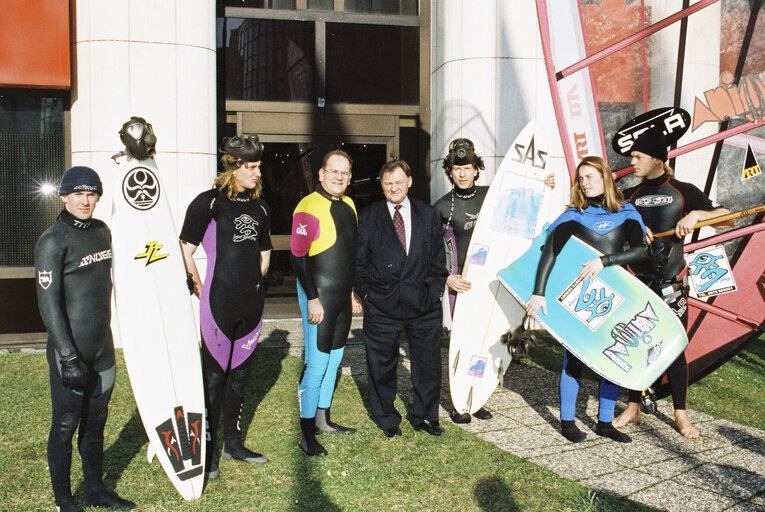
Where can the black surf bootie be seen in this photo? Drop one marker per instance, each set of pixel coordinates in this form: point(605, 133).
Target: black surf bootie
point(607, 429)
point(571, 432)
point(308, 442)
point(324, 424)
point(234, 449)
point(104, 499)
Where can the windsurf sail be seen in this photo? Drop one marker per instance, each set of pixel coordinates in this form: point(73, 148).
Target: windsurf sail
point(609, 61)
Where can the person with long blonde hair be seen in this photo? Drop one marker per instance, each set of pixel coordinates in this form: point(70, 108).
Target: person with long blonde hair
point(598, 215)
point(234, 226)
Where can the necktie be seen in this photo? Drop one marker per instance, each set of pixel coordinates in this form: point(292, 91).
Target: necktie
point(398, 223)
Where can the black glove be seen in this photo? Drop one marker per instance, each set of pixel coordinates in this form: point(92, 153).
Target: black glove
point(74, 373)
point(190, 282)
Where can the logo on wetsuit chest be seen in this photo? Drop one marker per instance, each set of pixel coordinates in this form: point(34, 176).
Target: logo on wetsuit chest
point(247, 228)
point(95, 257)
point(654, 200)
point(603, 226)
point(182, 443)
point(45, 278)
point(472, 217)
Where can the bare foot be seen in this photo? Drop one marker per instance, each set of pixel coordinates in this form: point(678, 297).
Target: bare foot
point(684, 426)
point(630, 415)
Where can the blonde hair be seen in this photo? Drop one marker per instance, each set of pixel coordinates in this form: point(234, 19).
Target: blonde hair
point(226, 181)
point(613, 199)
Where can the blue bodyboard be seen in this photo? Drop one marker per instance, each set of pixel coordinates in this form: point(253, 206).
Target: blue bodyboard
point(613, 323)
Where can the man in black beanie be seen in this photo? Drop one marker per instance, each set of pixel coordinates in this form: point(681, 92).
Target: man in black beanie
point(74, 287)
point(665, 204)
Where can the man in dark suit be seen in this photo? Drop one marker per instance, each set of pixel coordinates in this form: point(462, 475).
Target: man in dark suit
point(400, 276)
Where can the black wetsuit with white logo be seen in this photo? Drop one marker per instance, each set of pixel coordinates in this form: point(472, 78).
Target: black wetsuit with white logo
point(233, 233)
point(662, 202)
point(73, 260)
point(459, 209)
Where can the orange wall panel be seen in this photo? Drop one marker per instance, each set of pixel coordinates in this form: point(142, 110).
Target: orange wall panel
point(34, 44)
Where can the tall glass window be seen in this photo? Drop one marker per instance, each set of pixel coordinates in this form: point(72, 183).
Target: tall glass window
point(408, 7)
point(372, 64)
point(31, 157)
point(268, 60)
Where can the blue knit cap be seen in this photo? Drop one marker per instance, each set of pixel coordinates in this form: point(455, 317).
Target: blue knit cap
point(80, 179)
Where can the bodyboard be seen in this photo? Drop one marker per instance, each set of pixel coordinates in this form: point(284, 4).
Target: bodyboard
point(613, 323)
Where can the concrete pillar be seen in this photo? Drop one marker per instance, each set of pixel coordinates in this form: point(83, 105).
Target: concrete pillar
point(148, 58)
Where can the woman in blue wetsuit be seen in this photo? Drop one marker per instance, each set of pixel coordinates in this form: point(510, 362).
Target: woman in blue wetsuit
point(234, 226)
point(594, 198)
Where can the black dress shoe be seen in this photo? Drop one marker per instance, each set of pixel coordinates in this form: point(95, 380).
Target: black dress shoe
point(392, 432)
point(483, 414)
point(459, 418)
point(431, 427)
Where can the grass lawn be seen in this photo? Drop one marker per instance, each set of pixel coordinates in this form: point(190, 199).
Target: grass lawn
point(363, 472)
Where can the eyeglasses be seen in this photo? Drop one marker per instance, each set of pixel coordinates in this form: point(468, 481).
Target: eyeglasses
point(334, 173)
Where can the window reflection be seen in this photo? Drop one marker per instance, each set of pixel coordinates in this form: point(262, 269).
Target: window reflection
point(31, 156)
point(372, 64)
point(261, 4)
point(408, 7)
point(268, 60)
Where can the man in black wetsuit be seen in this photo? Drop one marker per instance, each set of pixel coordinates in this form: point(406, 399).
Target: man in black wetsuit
point(234, 226)
point(666, 203)
point(74, 287)
point(459, 211)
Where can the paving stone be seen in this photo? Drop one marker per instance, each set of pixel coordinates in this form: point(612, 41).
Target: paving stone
point(670, 468)
point(623, 482)
point(577, 464)
point(677, 497)
point(731, 480)
point(519, 438)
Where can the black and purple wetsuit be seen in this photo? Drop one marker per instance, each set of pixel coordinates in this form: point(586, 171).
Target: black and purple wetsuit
point(233, 235)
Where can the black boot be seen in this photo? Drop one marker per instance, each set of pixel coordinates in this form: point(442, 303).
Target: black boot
point(606, 429)
point(233, 398)
point(104, 499)
point(308, 442)
point(234, 449)
point(67, 507)
point(324, 424)
point(571, 432)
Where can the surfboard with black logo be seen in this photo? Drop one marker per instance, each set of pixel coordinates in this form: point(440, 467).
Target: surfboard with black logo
point(156, 325)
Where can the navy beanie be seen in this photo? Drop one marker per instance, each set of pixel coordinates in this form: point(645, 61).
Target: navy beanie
point(80, 179)
point(652, 143)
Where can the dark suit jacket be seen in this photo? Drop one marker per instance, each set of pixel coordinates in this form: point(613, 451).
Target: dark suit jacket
point(401, 286)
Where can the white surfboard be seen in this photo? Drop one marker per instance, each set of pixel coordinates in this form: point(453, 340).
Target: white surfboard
point(157, 327)
point(516, 207)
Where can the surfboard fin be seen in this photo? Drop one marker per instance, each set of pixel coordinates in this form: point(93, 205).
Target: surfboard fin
point(501, 375)
point(456, 362)
point(150, 453)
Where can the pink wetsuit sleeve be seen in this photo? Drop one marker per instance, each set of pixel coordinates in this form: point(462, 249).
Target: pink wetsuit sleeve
point(305, 229)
